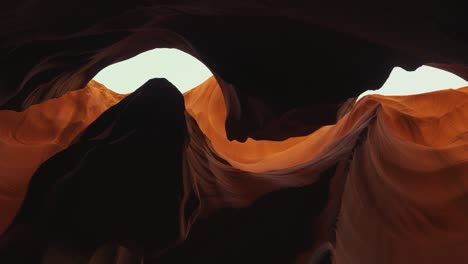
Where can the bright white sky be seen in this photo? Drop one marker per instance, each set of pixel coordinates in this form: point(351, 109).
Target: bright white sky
point(178, 67)
point(422, 80)
point(186, 72)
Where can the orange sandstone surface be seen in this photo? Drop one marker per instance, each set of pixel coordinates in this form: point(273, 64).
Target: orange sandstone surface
point(205, 103)
point(406, 191)
point(405, 196)
point(30, 137)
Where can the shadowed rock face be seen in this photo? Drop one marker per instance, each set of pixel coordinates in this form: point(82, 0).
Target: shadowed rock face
point(29, 138)
point(153, 180)
point(119, 190)
point(384, 184)
point(269, 57)
point(104, 188)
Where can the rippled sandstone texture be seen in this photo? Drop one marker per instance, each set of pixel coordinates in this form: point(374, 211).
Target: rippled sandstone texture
point(30, 137)
point(404, 160)
point(384, 184)
point(389, 175)
point(255, 49)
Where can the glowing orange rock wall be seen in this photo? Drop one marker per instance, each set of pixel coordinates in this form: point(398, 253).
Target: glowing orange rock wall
point(205, 104)
point(398, 189)
point(406, 188)
point(30, 137)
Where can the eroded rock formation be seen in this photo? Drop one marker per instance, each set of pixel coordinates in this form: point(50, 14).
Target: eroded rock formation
point(255, 49)
point(29, 138)
point(105, 187)
point(384, 184)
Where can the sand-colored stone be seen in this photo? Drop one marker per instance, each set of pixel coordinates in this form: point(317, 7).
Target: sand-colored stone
point(30, 137)
point(404, 195)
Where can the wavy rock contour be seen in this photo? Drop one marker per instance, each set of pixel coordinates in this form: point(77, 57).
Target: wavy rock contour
point(384, 184)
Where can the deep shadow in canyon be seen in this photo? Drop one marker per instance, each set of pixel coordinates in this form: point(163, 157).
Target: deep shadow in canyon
point(163, 178)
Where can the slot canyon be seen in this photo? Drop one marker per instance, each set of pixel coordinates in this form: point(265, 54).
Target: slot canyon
point(271, 160)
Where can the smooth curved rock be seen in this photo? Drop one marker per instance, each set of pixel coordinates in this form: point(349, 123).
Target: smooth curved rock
point(384, 184)
point(29, 138)
point(105, 188)
point(255, 49)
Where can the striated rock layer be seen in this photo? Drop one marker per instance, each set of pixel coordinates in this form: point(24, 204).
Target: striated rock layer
point(385, 184)
point(388, 177)
point(256, 49)
point(29, 138)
